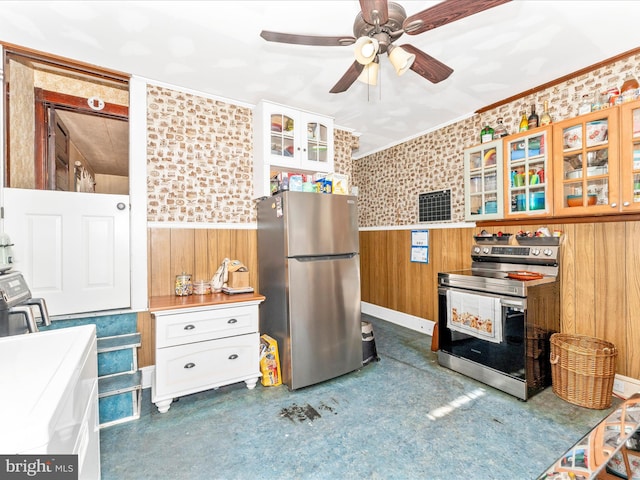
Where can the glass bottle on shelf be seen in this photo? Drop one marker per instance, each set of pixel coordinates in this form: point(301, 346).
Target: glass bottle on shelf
point(500, 130)
point(532, 121)
point(524, 123)
point(545, 118)
point(486, 134)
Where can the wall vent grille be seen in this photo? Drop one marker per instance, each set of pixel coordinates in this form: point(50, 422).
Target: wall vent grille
point(434, 206)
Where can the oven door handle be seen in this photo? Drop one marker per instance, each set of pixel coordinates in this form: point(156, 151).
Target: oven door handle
point(506, 302)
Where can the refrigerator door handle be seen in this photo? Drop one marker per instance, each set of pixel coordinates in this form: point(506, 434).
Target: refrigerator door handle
point(343, 256)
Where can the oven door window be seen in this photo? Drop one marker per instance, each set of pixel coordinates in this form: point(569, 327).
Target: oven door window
point(508, 356)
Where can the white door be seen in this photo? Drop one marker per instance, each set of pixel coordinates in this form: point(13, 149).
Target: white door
point(72, 248)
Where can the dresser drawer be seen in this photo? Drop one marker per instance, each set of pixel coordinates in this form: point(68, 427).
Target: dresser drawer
point(180, 328)
point(198, 366)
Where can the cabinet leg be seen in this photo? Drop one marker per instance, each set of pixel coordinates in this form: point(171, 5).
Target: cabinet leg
point(164, 405)
point(251, 383)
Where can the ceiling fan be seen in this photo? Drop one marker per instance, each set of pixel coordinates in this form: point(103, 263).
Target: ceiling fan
point(377, 26)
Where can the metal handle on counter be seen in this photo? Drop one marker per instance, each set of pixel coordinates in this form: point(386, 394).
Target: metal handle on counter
point(232, 320)
point(28, 316)
point(189, 327)
point(190, 365)
point(42, 306)
point(233, 356)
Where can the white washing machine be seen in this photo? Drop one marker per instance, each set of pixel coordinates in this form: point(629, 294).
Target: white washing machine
point(49, 403)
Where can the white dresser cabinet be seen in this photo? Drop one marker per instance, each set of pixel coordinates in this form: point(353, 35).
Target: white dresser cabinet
point(204, 342)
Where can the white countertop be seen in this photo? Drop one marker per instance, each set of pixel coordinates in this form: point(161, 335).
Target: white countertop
point(38, 374)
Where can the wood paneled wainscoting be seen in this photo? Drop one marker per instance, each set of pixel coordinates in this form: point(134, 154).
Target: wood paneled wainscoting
point(390, 279)
point(600, 277)
point(197, 251)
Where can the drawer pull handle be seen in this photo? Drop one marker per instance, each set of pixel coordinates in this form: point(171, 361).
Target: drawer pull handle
point(233, 356)
point(190, 365)
point(189, 327)
point(232, 320)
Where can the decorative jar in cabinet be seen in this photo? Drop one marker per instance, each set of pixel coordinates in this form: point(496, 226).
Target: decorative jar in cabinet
point(630, 156)
point(483, 181)
point(585, 164)
point(289, 140)
point(526, 179)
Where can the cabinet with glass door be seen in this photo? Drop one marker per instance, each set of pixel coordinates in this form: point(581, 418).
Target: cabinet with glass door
point(483, 181)
point(630, 156)
point(585, 164)
point(526, 185)
point(289, 140)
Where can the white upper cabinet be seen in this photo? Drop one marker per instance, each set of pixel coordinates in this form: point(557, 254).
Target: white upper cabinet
point(289, 140)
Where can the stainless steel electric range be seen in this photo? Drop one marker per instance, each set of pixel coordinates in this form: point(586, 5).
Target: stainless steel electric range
point(496, 318)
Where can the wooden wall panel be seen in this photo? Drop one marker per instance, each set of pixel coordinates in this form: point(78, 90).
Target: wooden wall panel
point(391, 280)
point(198, 252)
point(159, 260)
point(609, 286)
point(146, 352)
point(632, 294)
point(568, 281)
point(599, 272)
point(584, 274)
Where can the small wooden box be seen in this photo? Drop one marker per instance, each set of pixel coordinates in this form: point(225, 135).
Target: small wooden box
point(238, 279)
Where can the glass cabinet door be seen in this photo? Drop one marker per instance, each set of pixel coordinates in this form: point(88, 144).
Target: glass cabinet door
point(316, 142)
point(282, 139)
point(586, 164)
point(483, 181)
point(630, 156)
point(526, 185)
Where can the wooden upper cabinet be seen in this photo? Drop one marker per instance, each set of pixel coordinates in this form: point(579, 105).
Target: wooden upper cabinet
point(527, 190)
point(630, 156)
point(586, 164)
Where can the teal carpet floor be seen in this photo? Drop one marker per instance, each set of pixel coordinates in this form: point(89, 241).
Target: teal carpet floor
point(404, 417)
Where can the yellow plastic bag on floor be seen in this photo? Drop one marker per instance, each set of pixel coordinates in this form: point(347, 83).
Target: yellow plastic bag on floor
point(269, 362)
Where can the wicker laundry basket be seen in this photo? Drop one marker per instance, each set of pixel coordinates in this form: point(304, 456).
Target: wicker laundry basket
point(583, 369)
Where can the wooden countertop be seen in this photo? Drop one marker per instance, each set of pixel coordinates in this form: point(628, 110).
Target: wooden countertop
point(173, 302)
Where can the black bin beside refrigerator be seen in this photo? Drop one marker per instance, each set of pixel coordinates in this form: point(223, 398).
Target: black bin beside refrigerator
point(309, 272)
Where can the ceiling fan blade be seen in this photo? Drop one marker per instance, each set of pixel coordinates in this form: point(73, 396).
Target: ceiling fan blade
point(375, 9)
point(307, 39)
point(446, 12)
point(428, 67)
point(350, 76)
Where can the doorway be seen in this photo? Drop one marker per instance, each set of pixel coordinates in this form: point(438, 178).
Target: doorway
point(72, 244)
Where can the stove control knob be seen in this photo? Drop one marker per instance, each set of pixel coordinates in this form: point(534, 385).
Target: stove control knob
point(535, 251)
point(548, 252)
point(485, 250)
point(476, 250)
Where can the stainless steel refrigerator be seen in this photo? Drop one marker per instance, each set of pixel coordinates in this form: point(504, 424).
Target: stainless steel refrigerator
point(309, 272)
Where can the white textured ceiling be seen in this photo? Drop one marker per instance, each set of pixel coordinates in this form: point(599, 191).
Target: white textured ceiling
point(214, 47)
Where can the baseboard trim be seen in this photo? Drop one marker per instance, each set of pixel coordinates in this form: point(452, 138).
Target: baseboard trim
point(147, 374)
point(631, 386)
point(412, 322)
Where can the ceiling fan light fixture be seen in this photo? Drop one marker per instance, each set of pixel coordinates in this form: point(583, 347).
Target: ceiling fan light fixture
point(366, 50)
point(369, 74)
point(400, 59)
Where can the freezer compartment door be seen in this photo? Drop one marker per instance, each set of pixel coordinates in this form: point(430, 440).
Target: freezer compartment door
point(319, 224)
point(325, 328)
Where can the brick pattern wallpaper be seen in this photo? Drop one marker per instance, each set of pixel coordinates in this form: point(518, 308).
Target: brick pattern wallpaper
point(200, 159)
point(389, 181)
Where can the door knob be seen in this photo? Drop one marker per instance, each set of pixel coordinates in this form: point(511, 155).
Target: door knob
point(121, 206)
